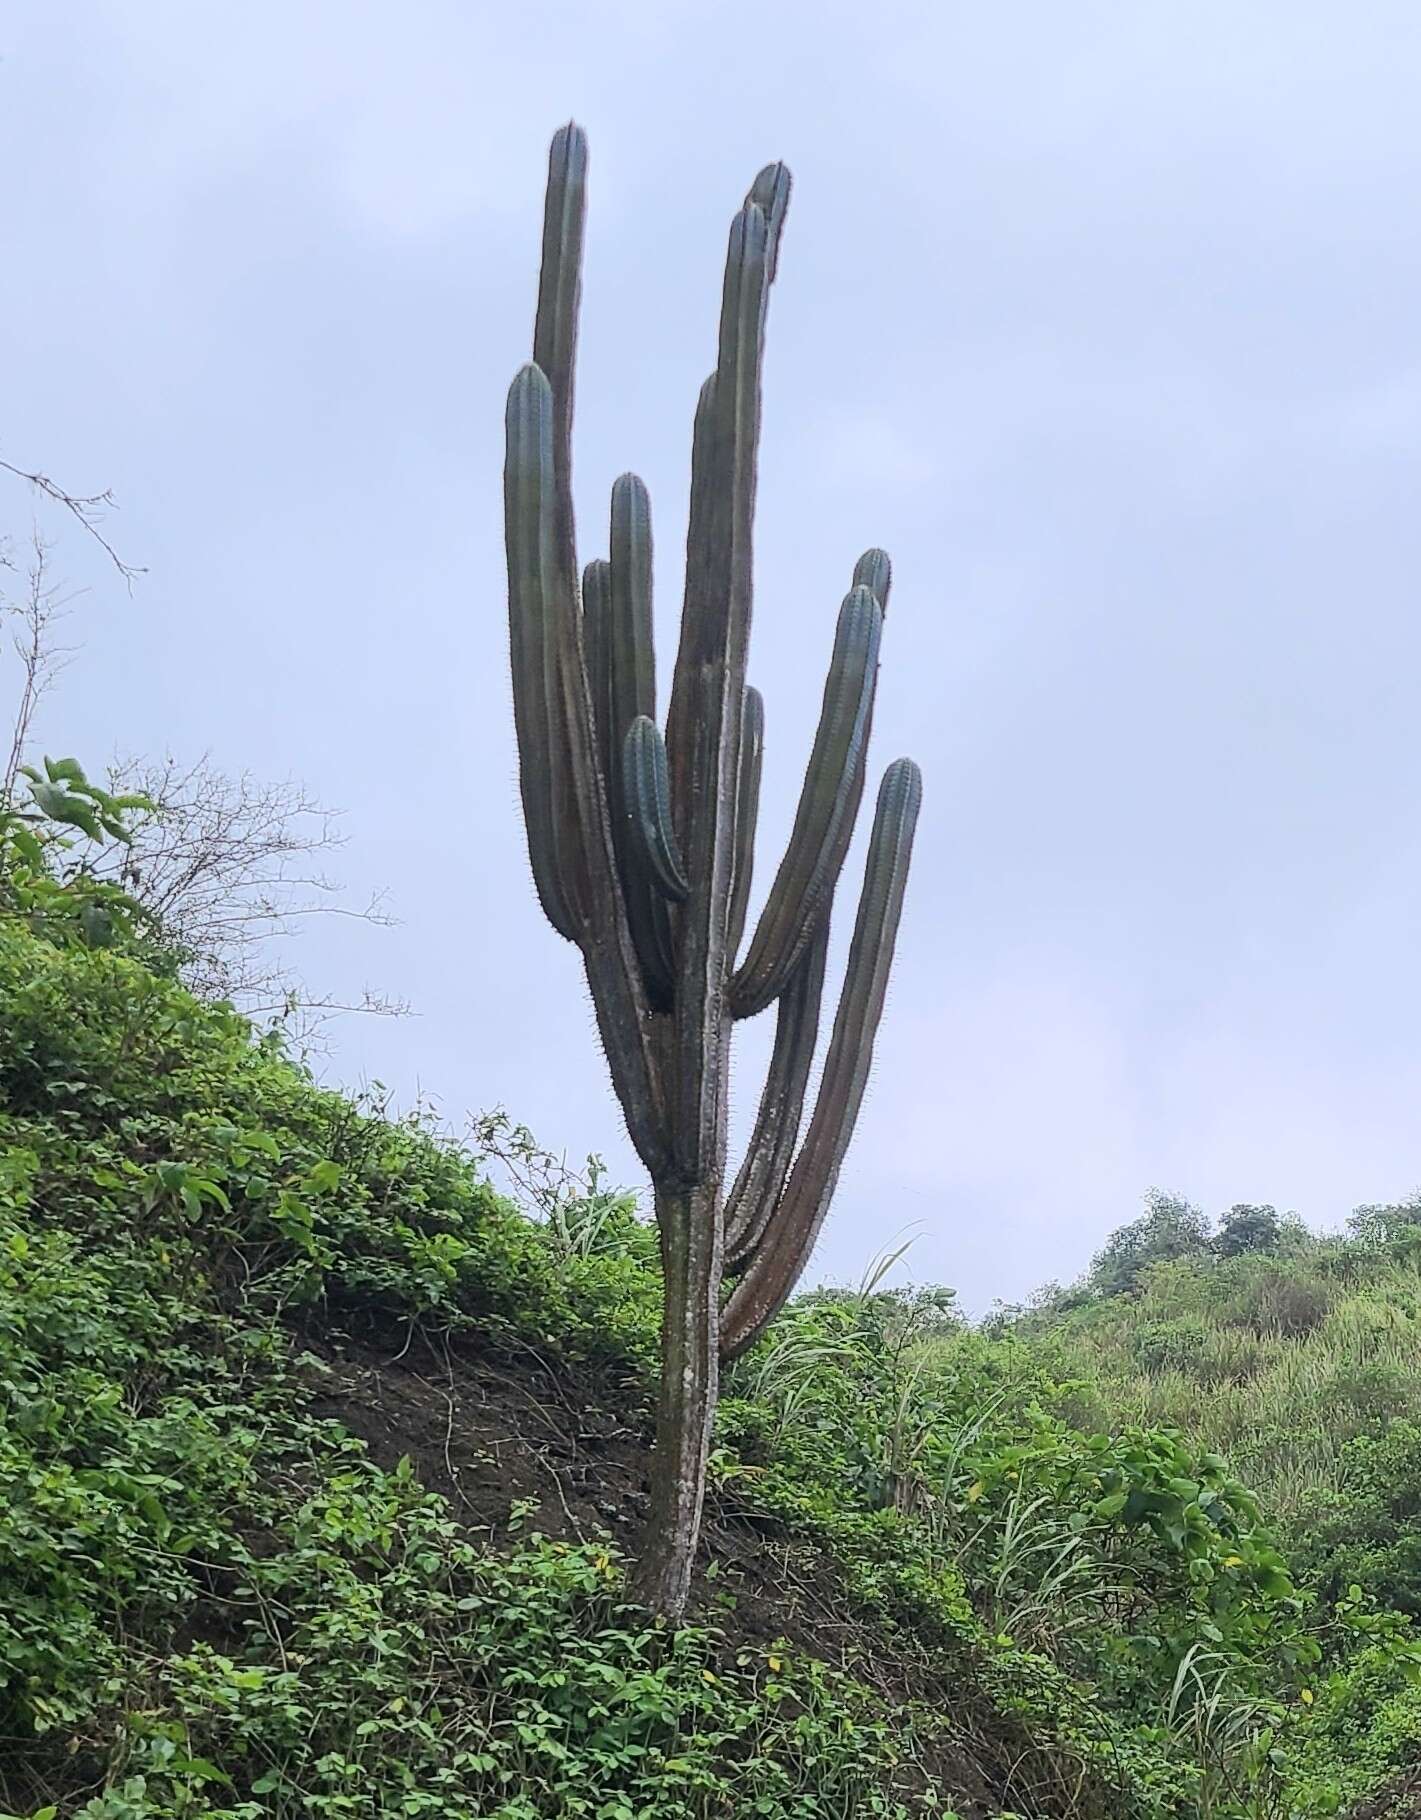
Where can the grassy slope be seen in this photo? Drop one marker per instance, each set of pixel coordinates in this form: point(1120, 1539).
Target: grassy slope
point(317, 1461)
point(1305, 1368)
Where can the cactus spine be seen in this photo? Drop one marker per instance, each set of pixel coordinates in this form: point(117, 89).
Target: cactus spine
point(642, 843)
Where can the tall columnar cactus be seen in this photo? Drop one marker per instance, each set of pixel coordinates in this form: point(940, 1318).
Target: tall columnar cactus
point(642, 842)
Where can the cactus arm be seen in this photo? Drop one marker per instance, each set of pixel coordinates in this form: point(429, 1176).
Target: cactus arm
point(555, 326)
point(650, 917)
point(874, 571)
point(572, 759)
point(652, 847)
point(747, 814)
point(597, 638)
point(760, 1182)
point(557, 775)
point(828, 802)
point(528, 513)
point(555, 735)
point(624, 686)
point(647, 916)
point(770, 193)
point(712, 658)
point(634, 674)
point(564, 796)
point(680, 713)
point(791, 1232)
point(636, 1057)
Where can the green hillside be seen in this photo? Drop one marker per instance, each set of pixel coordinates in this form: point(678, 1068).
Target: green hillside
point(1299, 1357)
point(319, 1463)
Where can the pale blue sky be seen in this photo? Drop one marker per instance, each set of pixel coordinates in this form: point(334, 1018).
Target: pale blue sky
point(1102, 318)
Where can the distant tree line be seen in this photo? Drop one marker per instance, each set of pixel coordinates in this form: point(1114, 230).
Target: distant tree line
point(1172, 1228)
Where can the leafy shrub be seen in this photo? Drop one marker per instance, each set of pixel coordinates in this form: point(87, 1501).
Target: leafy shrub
point(1369, 1530)
point(1188, 1346)
point(1247, 1230)
point(1269, 1297)
point(1169, 1228)
point(1395, 1227)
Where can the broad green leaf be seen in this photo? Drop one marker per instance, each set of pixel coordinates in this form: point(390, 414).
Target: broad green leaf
point(28, 847)
point(98, 925)
point(62, 806)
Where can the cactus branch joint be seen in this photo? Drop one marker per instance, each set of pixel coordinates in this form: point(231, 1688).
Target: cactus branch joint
point(642, 840)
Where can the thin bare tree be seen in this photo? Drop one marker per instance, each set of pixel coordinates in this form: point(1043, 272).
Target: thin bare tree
point(230, 865)
point(87, 509)
point(30, 612)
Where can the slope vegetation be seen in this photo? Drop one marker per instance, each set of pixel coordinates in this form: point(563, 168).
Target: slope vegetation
point(319, 1463)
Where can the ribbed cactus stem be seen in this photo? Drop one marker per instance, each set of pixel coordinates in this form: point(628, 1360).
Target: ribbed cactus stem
point(634, 659)
point(789, 1236)
point(747, 814)
point(718, 611)
point(770, 194)
point(647, 790)
point(529, 489)
point(680, 716)
point(756, 1193)
point(874, 571)
point(810, 869)
point(597, 646)
point(555, 325)
point(630, 691)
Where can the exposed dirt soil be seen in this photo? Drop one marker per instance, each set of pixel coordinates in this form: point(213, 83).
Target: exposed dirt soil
point(516, 1437)
point(492, 1434)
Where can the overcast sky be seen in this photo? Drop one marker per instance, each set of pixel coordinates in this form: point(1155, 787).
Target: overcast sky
point(1102, 318)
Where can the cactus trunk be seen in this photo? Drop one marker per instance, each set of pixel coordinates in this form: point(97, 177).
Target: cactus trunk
point(690, 1225)
point(641, 841)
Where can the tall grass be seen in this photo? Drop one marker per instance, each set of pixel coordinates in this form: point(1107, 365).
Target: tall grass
point(1275, 1363)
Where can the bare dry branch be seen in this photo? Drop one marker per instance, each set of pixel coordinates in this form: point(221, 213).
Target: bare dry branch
point(35, 612)
point(89, 509)
point(230, 865)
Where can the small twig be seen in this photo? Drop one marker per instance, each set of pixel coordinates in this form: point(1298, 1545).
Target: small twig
point(87, 508)
point(556, 1478)
point(455, 1477)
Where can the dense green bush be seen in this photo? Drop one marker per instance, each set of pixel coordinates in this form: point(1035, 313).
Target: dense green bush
point(1169, 1228)
point(1245, 1228)
point(1368, 1529)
